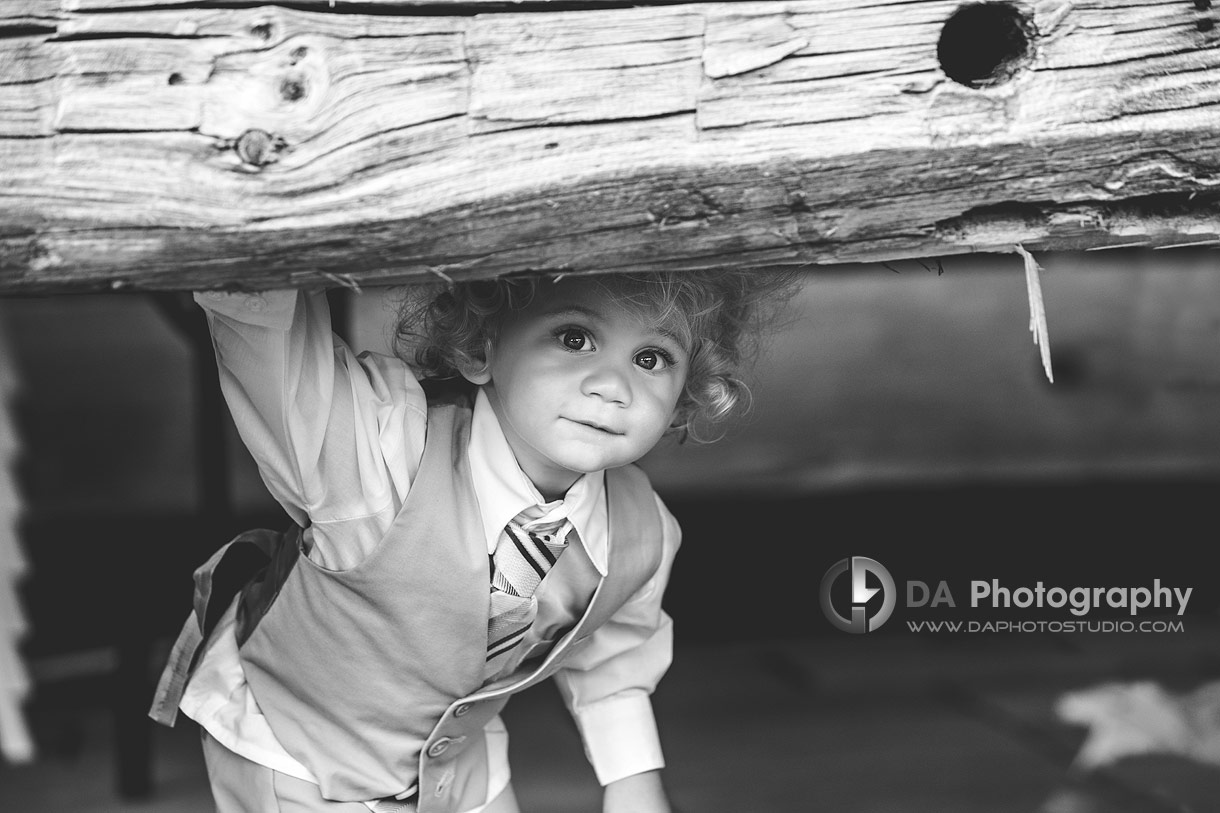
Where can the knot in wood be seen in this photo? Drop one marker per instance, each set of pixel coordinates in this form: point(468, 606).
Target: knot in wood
point(257, 147)
point(292, 89)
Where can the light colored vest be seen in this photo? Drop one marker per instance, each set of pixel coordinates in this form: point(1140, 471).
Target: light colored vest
point(371, 677)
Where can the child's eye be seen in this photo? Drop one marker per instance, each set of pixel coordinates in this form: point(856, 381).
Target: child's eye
point(653, 359)
point(573, 338)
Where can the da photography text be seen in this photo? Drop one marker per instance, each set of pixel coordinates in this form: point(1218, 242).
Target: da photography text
point(1079, 601)
point(859, 594)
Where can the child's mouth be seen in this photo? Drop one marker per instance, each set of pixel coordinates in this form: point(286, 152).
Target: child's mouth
point(597, 427)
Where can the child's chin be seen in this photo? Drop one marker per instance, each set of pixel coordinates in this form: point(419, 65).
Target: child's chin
point(587, 464)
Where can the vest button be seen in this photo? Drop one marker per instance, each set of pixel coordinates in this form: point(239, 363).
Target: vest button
point(439, 747)
point(461, 710)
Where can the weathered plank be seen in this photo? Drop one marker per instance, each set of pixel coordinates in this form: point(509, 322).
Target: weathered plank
point(179, 146)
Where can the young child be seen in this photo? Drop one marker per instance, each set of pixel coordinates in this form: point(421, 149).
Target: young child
point(466, 525)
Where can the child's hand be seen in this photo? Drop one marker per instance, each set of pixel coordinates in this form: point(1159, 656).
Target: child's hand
point(639, 793)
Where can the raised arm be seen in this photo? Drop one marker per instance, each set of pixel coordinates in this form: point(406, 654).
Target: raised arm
point(336, 438)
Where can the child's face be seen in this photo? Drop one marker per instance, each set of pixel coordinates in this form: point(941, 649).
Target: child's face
point(581, 383)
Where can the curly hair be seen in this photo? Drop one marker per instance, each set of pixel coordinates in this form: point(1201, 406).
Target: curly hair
point(720, 315)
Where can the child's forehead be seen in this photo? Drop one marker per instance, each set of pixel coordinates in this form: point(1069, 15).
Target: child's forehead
point(609, 297)
point(595, 294)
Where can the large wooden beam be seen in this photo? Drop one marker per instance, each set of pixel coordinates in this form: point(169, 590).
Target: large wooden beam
point(168, 145)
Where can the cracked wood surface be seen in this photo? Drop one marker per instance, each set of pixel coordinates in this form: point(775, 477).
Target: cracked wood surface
point(177, 146)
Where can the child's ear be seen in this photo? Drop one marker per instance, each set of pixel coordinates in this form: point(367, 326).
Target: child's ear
point(477, 370)
point(477, 376)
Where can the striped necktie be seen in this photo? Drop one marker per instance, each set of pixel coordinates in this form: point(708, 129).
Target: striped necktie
point(524, 555)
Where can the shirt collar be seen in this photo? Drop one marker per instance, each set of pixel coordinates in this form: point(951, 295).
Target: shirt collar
point(504, 491)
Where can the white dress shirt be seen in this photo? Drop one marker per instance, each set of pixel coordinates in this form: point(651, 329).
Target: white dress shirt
point(338, 441)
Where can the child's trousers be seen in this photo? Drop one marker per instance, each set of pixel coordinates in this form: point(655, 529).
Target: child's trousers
point(242, 786)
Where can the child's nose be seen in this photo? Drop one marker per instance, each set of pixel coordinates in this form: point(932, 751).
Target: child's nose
point(608, 382)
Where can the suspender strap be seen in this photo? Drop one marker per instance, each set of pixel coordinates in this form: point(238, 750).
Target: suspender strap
point(217, 581)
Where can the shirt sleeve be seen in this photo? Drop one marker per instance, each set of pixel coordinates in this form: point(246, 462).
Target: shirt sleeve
point(608, 685)
point(337, 438)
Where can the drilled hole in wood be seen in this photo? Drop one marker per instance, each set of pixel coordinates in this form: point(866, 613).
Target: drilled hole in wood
point(1203, 5)
point(985, 44)
point(1205, 25)
point(175, 79)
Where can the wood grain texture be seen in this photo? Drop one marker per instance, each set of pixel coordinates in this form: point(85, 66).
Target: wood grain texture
point(174, 146)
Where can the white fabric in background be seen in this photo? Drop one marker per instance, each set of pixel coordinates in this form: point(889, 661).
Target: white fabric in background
point(16, 745)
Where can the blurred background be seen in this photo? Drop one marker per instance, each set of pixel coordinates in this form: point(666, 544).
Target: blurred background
point(900, 412)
